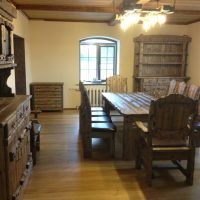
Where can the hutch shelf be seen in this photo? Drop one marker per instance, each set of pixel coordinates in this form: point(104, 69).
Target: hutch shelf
point(7, 13)
point(157, 60)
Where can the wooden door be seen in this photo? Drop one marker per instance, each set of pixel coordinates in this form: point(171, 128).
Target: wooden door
point(20, 70)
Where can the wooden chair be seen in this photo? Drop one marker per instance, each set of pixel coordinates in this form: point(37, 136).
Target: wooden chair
point(193, 91)
point(116, 83)
point(168, 136)
point(94, 129)
point(35, 134)
point(172, 87)
point(97, 116)
point(97, 111)
point(181, 87)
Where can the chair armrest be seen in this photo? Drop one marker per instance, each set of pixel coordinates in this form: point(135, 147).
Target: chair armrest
point(141, 126)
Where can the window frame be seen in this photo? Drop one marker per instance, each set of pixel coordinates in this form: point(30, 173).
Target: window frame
point(98, 56)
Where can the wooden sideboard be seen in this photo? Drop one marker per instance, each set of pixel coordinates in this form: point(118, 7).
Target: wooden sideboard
point(47, 96)
point(157, 60)
point(15, 157)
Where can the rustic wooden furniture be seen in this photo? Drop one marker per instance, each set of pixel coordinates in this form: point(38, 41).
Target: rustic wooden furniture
point(97, 111)
point(181, 87)
point(193, 91)
point(169, 135)
point(172, 87)
point(133, 107)
point(47, 96)
point(15, 157)
point(158, 59)
point(35, 134)
point(94, 126)
point(7, 13)
point(116, 83)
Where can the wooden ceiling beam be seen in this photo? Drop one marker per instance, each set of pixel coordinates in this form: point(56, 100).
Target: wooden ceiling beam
point(69, 8)
point(69, 20)
point(188, 12)
point(193, 21)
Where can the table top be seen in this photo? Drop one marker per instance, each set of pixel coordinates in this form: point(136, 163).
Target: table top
point(136, 103)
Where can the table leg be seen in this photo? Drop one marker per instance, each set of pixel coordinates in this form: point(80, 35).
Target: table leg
point(128, 138)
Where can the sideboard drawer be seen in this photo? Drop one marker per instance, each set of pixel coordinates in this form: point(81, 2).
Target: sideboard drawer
point(11, 125)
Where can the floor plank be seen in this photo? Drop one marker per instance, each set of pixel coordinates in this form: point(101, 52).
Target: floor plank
point(62, 174)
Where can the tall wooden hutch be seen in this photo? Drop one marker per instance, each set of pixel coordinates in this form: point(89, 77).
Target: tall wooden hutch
point(15, 157)
point(157, 60)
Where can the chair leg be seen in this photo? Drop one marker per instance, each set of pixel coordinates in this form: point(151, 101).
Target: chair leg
point(148, 169)
point(38, 142)
point(190, 167)
point(138, 161)
point(112, 146)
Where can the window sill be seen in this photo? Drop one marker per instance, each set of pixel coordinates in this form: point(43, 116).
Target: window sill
point(94, 83)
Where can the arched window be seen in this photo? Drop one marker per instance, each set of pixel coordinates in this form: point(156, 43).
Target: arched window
point(98, 59)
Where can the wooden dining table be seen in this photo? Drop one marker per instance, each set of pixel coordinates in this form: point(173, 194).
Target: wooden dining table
point(133, 107)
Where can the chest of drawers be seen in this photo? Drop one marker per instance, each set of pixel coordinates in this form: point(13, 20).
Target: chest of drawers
point(47, 96)
point(15, 157)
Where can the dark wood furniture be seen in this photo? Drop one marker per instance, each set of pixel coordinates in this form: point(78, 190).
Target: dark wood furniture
point(15, 157)
point(157, 60)
point(193, 91)
point(7, 13)
point(133, 107)
point(35, 134)
point(94, 125)
point(168, 135)
point(47, 96)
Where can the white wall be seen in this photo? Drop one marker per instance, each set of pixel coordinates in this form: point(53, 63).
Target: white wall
point(194, 53)
point(55, 51)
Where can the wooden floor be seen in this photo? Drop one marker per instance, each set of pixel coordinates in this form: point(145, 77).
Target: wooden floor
point(62, 173)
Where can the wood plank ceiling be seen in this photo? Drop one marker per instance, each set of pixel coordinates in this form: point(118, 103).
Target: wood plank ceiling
point(102, 11)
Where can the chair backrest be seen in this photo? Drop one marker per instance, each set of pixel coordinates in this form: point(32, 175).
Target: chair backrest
point(85, 121)
point(172, 87)
point(181, 86)
point(169, 116)
point(116, 83)
point(81, 88)
point(193, 91)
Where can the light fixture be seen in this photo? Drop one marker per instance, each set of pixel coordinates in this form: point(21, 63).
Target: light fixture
point(149, 17)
